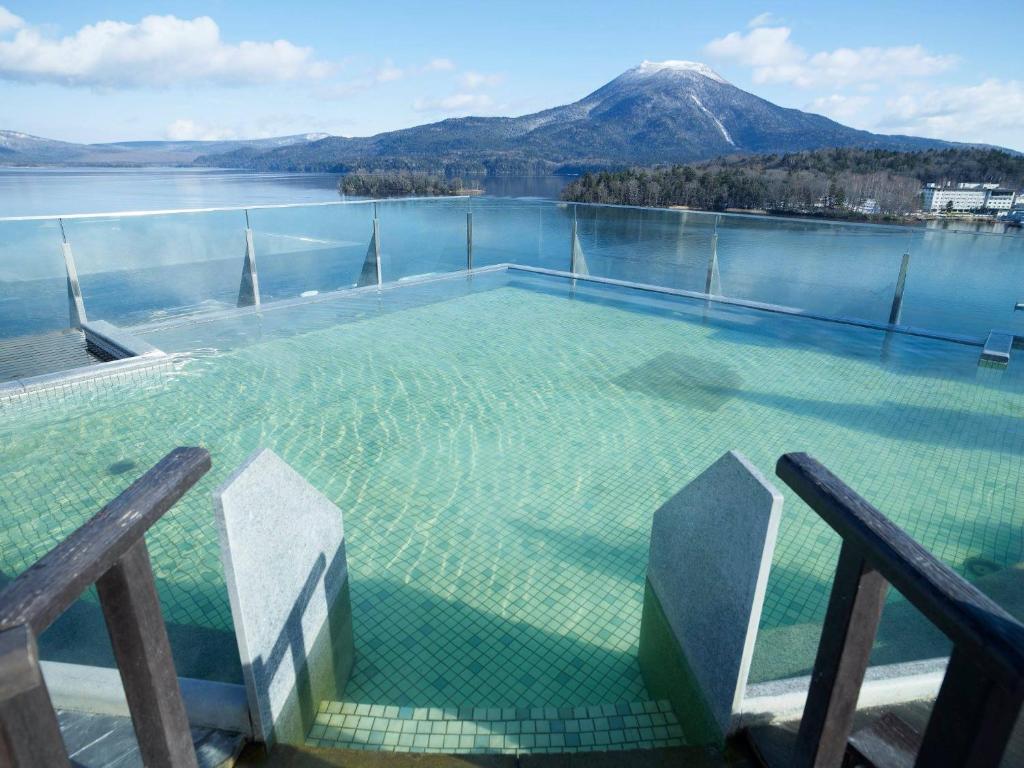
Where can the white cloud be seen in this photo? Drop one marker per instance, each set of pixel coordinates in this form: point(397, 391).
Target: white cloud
point(775, 58)
point(189, 130)
point(766, 19)
point(9, 21)
point(989, 112)
point(845, 109)
point(156, 51)
point(473, 80)
point(456, 103)
point(388, 73)
point(439, 65)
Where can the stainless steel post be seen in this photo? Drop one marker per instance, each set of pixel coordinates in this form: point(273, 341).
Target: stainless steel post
point(709, 284)
point(572, 244)
point(249, 286)
point(897, 298)
point(76, 305)
point(376, 245)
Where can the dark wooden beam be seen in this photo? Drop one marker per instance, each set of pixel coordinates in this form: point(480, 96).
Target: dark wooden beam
point(970, 619)
point(47, 588)
point(972, 719)
point(29, 732)
point(854, 610)
point(143, 653)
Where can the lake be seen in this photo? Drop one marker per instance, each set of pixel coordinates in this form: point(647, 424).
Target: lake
point(963, 279)
point(60, 191)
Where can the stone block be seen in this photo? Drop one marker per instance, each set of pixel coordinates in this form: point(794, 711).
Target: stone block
point(711, 550)
point(283, 549)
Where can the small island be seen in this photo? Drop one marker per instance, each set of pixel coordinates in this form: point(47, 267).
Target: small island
point(401, 184)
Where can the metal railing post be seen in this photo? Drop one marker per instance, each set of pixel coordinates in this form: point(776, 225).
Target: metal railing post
point(572, 243)
point(249, 287)
point(371, 271)
point(577, 261)
point(376, 244)
point(76, 305)
point(709, 283)
point(897, 298)
point(469, 240)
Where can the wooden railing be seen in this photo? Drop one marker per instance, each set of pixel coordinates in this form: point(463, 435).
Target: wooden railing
point(109, 551)
point(980, 699)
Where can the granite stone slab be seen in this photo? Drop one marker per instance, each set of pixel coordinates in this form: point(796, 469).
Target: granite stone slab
point(711, 550)
point(283, 548)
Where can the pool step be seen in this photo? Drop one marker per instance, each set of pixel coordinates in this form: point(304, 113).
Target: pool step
point(494, 730)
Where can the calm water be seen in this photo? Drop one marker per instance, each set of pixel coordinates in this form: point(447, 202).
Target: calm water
point(59, 191)
point(498, 449)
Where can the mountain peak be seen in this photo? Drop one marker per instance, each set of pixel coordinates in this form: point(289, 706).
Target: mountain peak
point(654, 67)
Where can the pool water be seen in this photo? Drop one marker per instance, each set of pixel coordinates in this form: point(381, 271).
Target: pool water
point(498, 447)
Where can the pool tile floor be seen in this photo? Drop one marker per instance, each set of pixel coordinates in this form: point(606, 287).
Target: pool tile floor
point(487, 730)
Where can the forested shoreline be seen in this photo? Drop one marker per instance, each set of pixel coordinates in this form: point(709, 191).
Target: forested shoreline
point(838, 183)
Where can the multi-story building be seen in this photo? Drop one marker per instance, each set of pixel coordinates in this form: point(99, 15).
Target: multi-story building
point(1001, 199)
point(966, 196)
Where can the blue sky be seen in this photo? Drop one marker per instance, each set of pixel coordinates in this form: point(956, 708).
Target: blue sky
point(108, 71)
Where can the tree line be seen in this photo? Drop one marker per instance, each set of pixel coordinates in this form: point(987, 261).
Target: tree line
point(401, 184)
point(832, 182)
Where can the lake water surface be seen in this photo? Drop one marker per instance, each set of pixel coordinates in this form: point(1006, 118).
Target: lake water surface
point(62, 191)
point(963, 279)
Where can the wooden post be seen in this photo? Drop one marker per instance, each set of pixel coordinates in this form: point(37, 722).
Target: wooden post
point(972, 718)
point(854, 610)
point(29, 732)
point(469, 240)
point(143, 653)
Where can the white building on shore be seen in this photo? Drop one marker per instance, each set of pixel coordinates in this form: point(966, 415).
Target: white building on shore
point(966, 197)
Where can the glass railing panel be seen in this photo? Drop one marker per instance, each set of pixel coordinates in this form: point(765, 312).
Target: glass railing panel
point(422, 237)
point(533, 233)
point(33, 282)
point(659, 247)
point(831, 269)
point(965, 282)
point(134, 269)
point(310, 248)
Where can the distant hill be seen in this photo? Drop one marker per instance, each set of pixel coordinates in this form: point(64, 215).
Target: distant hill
point(24, 149)
point(656, 113)
point(667, 112)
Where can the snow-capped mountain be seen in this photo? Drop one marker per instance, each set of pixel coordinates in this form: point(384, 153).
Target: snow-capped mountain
point(656, 112)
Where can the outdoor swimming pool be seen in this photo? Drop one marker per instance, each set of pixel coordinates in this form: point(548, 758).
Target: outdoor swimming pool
point(498, 445)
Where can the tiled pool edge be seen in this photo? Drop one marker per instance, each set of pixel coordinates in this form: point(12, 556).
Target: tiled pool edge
point(974, 341)
point(884, 685)
point(340, 293)
point(15, 389)
point(224, 705)
point(99, 690)
point(624, 726)
point(146, 355)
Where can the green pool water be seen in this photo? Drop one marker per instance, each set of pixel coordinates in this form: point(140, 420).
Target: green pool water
point(498, 447)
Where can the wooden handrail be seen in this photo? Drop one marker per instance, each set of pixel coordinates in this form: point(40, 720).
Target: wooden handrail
point(983, 689)
point(58, 578)
point(110, 551)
